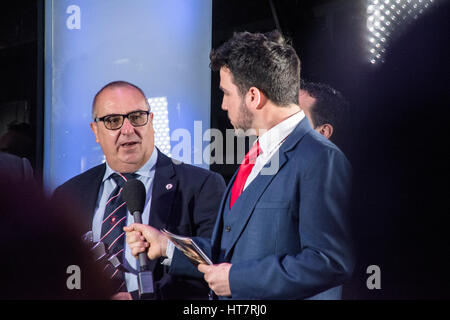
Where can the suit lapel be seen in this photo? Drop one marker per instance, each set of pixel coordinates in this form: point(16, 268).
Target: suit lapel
point(89, 190)
point(164, 189)
point(245, 204)
point(165, 185)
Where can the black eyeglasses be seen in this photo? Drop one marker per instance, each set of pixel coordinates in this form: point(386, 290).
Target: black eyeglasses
point(115, 121)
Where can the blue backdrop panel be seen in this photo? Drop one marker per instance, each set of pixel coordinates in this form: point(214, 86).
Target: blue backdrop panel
point(161, 46)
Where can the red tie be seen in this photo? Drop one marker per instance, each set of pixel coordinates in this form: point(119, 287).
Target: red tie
point(244, 171)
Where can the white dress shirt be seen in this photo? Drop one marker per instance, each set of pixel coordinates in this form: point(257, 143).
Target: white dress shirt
point(270, 142)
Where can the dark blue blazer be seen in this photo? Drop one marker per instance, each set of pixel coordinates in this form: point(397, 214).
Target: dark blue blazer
point(189, 208)
point(292, 239)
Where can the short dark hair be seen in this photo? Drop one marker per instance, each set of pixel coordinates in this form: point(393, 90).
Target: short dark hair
point(265, 61)
point(330, 106)
point(114, 85)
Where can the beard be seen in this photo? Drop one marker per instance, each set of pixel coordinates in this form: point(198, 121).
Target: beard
point(244, 122)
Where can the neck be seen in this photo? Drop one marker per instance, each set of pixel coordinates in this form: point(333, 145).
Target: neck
point(271, 115)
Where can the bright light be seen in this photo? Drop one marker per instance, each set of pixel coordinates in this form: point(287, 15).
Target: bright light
point(382, 22)
point(161, 123)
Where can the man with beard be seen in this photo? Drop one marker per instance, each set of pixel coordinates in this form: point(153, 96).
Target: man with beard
point(282, 231)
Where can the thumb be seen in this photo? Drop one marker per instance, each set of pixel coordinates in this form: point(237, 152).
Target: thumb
point(203, 268)
point(134, 227)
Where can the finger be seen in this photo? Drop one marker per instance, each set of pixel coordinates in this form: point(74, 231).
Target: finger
point(137, 250)
point(139, 244)
point(135, 227)
point(133, 236)
point(203, 268)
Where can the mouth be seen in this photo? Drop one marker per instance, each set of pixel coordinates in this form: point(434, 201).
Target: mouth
point(128, 145)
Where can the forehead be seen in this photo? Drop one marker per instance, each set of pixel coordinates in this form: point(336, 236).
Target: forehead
point(226, 78)
point(120, 100)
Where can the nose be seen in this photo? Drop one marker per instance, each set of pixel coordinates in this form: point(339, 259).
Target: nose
point(223, 106)
point(127, 127)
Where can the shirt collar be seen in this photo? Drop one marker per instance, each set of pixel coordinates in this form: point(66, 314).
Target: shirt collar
point(143, 171)
point(276, 135)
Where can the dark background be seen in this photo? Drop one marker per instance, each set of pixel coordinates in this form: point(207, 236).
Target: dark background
point(398, 135)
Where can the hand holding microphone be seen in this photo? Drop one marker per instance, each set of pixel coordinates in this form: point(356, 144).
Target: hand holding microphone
point(141, 238)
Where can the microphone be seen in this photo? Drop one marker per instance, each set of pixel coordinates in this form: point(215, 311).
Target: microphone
point(134, 195)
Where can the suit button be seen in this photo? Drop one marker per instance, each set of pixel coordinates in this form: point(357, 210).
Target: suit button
point(227, 228)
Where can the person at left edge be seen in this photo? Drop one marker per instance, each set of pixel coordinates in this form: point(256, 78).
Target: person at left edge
point(181, 198)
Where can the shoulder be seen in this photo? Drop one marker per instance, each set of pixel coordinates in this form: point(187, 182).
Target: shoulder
point(194, 173)
point(83, 179)
point(17, 168)
point(8, 160)
point(185, 171)
point(315, 148)
point(191, 176)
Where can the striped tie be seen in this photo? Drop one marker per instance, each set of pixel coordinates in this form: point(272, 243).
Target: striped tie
point(115, 217)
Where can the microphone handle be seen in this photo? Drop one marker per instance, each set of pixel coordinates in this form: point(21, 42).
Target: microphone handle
point(142, 256)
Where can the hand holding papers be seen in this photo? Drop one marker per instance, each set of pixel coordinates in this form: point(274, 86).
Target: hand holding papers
point(188, 247)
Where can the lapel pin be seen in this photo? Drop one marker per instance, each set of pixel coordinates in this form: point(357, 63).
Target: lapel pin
point(169, 186)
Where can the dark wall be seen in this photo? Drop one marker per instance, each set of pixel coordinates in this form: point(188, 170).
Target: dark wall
point(401, 214)
point(20, 113)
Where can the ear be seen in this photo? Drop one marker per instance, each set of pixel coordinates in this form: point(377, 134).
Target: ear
point(255, 99)
point(150, 118)
point(326, 130)
point(94, 129)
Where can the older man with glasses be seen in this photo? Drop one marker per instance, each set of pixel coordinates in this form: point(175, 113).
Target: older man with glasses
point(181, 198)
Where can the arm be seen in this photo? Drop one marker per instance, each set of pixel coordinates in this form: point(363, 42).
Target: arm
point(207, 201)
point(204, 212)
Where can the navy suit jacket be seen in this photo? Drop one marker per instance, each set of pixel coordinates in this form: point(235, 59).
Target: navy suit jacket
point(292, 239)
point(189, 208)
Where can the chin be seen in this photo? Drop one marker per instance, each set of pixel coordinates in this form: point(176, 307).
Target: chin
point(130, 160)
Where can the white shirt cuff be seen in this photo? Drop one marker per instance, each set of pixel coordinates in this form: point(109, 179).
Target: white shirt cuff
point(169, 253)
